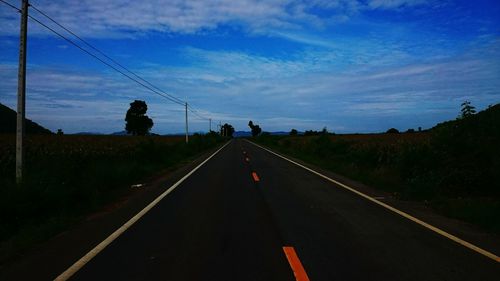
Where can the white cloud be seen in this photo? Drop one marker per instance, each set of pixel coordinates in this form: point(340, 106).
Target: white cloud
point(394, 4)
point(125, 19)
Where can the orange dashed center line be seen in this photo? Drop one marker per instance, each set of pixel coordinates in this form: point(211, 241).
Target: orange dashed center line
point(295, 264)
point(255, 177)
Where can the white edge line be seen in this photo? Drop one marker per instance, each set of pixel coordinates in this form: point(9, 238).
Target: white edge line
point(92, 253)
point(401, 213)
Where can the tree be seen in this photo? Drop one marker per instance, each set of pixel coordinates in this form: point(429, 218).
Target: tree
point(392, 131)
point(294, 132)
point(324, 131)
point(467, 109)
point(137, 123)
point(256, 130)
point(60, 132)
point(227, 130)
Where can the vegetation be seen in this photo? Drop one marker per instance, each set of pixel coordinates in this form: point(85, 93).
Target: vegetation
point(227, 130)
point(454, 167)
point(256, 130)
point(467, 109)
point(392, 131)
point(8, 123)
point(137, 122)
point(70, 176)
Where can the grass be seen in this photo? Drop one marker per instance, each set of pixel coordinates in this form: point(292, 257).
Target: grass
point(454, 167)
point(68, 177)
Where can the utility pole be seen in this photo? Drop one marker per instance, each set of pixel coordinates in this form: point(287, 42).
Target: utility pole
point(187, 137)
point(210, 125)
point(21, 93)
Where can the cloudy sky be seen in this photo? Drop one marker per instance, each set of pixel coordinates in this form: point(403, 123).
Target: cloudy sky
point(349, 65)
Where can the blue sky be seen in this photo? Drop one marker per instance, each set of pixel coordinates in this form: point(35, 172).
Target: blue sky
point(349, 65)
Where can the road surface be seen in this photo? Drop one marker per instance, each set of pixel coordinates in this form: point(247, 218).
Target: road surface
point(232, 218)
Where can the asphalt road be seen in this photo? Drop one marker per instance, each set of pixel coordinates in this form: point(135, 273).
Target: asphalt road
point(222, 224)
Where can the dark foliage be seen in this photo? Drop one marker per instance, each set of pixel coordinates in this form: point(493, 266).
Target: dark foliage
point(227, 130)
point(294, 132)
point(392, 131)
point(256, 130)
point(137, 122)
point(467, 109)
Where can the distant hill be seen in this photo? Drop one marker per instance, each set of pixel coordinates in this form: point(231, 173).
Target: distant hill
point(121, 133)
point(242, 134)
point(8, 123)
point(239, 134)
point(87, 134)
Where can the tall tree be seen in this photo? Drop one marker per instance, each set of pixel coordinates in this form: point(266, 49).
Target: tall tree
point(137, 122)
point(256, 130)
point(467, 109)
point(227, 130)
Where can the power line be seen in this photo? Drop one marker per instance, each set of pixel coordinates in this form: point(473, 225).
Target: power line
point(151, 87)
point(195, 112)
point(172, 99)
point(10, 5)
point(103, 54)
point(104, 62)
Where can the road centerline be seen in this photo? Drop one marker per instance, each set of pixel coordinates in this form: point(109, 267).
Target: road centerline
point(255, 177)
point(295, 264)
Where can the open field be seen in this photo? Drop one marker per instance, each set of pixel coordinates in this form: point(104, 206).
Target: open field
point(453, 167)
point(70, 176)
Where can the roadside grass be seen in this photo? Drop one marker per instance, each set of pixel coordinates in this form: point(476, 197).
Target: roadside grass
point(453, 167)
point(68, 177)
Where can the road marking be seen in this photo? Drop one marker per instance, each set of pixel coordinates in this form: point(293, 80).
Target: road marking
point(247, 159)
point(295, 264)
point(401, 213)
point(97, 249)
point(255, 177)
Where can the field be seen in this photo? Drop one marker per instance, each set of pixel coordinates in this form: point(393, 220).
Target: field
point(70, 176)
point(454, 167)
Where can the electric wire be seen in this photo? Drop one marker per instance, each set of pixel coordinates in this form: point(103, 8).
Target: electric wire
point(94, 56)
point(103, 54)
point(102, 61)
point(151, 87)
point(10, 5)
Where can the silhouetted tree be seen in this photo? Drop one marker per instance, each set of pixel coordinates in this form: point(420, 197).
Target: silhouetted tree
point(256, 130)
point(311, 133)
point(467, 109)
point(294, 132)
point(392, 131)
point(227, 130)
point(60, 132)
point(137, 122)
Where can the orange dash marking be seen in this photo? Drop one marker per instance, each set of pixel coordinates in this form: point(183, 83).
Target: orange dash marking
point(255, 176)
point(295, 264)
